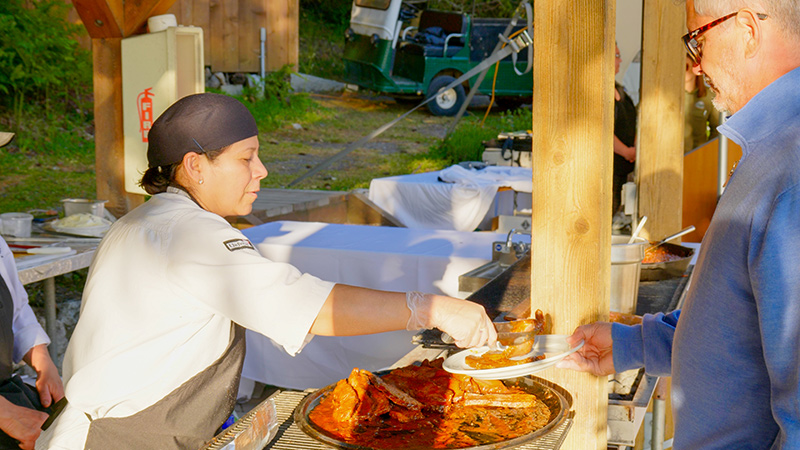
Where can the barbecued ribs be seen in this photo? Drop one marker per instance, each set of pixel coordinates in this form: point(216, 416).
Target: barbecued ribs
point(424, 406)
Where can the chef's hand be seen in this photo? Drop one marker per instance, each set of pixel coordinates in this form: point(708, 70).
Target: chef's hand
point(595, 356)
point(22, 424)
point(48, 382)
point(465, 321)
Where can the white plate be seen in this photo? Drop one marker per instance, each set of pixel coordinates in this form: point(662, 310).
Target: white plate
point(94, 231)
point(554, 346)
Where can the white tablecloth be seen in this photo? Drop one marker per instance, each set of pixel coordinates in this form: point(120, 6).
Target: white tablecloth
point(387, 258)
point(468, 201)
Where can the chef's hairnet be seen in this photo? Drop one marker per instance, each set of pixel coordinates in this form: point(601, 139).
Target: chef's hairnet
point(198, 123)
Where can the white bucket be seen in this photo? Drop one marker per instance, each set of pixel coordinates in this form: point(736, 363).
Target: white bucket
point(161, 23)
point(626, 266)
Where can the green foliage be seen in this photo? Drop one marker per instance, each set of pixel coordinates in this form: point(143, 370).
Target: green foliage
point(492, 8)
point(334, 13)
point(278, 84)
point(322, 40)
point(466, 141)
point(40, 61)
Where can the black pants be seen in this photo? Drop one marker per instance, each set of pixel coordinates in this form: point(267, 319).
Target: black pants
point(20, 394)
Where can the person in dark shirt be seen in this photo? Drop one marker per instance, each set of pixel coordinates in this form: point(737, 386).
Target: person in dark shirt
point(624, 138)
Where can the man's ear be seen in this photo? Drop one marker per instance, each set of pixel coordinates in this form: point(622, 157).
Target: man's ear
point(750, 25)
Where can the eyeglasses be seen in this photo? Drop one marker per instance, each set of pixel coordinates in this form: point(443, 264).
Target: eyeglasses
point(693, 47)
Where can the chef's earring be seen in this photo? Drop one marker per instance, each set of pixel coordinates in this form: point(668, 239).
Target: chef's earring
point(200, 182)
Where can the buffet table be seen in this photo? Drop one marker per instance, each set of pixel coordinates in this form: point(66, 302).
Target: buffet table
point(387, 258)
point(465, 201)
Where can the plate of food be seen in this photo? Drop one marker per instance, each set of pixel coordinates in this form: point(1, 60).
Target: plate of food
point(82, 224)
point(489, 363)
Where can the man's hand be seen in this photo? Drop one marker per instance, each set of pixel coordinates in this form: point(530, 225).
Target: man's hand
point(20, 423)
point(48, 382)
point(595, 356)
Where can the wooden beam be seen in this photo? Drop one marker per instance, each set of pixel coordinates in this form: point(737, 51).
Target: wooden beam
point(101, 19)
point(108, 135)
point(660, 139)
point(573, 141)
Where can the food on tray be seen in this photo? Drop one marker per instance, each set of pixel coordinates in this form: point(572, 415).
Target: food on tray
point(660, 254)
point(82, 220)
point(416, 407)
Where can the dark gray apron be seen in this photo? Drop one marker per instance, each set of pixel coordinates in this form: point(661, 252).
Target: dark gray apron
point(187, 418)
point(6, 333)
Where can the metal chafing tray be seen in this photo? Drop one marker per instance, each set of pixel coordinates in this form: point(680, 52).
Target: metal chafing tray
point(557, 399)
point(291, 437)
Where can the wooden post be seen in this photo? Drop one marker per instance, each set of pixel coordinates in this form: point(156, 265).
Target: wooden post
point(108, 133)
point(572, 155)
point(660, 142)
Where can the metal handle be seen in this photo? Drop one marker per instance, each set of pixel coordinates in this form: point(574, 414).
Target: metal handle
point(686, 230)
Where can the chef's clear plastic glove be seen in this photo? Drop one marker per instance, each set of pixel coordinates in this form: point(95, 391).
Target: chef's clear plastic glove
point(465, 321)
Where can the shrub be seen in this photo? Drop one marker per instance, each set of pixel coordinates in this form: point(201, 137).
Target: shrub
point(40, 61)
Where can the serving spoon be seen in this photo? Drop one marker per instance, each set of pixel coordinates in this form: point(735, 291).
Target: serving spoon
point(635, 233)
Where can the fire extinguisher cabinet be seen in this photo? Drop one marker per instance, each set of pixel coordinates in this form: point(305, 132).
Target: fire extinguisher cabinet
point(157, 69)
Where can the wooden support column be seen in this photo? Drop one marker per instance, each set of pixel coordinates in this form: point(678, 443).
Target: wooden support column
point(108, 132)
point(573, 114)
point(660, 139)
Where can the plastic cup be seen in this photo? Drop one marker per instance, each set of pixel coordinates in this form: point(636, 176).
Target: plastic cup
point(16, 224)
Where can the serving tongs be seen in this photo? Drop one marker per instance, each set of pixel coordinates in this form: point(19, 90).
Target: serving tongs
point(517, 332)
point(686, 230)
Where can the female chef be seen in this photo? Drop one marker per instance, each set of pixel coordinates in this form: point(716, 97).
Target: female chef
point(155, 358)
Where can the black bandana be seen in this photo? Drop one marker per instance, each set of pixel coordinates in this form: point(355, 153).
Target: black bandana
point(198, 123)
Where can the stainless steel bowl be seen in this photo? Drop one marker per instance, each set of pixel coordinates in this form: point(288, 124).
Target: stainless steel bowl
point(669, 269)
point(82, 205)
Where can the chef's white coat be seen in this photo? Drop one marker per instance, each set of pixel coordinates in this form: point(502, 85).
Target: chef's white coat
point(27, 331)
point(163, 288)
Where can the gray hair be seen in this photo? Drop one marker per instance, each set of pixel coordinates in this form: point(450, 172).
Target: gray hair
point(786, 13)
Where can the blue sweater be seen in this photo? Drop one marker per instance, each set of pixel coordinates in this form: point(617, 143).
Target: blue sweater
point(736, 349)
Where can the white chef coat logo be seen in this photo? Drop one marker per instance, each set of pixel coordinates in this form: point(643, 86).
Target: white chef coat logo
point(238, 244)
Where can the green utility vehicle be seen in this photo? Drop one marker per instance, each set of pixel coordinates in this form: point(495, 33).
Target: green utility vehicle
point(396, 48)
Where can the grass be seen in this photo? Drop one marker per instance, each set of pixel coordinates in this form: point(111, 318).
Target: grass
point(48, 162)
point(51, 158)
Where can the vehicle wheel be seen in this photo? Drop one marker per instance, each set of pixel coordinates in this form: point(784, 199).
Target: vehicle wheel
point(446, 103)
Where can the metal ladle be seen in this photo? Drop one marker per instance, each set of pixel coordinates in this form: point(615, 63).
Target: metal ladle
point(686, 230)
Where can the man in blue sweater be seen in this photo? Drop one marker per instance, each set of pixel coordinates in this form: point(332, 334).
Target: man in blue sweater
point(734, 354)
